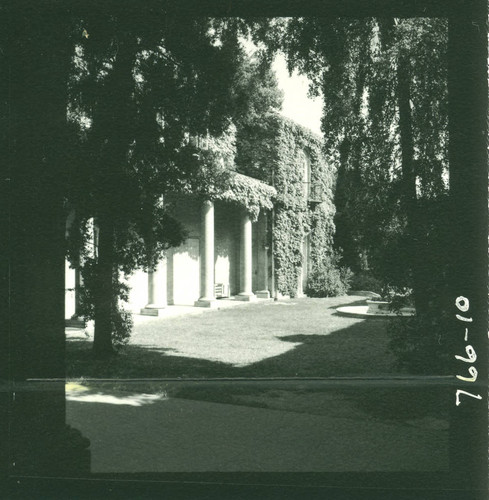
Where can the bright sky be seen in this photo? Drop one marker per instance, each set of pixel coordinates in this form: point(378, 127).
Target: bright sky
point(297, 105)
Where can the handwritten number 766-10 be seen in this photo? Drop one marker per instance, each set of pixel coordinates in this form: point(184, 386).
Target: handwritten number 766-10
point(462, 304)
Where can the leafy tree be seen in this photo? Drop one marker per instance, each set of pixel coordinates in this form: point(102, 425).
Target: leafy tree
point(257, 99)
point(139, 88)
point(384, 85)
point(385, 125)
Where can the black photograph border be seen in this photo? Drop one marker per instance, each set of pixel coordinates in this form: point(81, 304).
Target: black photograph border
point(467, 477)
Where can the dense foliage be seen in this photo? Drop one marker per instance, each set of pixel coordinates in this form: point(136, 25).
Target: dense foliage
point(384, 87)
point(139, 88)
point(295, 218)
point(420, 344)
point(139, 96)
point(249, 193)
point(387, 153)
point(215, 176)
point(281, 152)
point(328, 280)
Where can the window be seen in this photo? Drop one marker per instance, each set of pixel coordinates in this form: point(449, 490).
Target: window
point(306, 174)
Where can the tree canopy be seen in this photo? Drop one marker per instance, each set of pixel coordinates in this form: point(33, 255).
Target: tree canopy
point(385, 125)
point(153, 109)
point(364, 68)
point(141, 91)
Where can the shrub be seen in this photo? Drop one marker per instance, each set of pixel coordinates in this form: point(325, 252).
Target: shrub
point(122, 324)
point(121, 320)
point(328, 281)
point(420, 344)
point(400, 297)
point(365, 281)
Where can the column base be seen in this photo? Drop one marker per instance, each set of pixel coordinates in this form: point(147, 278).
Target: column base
point(152, 310)
point(245, 297)
point(205, 302)
point(262, 294)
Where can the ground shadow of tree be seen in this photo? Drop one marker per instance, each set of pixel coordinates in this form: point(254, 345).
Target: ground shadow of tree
point(138, 362)
point(356, 351)
point(360, 350)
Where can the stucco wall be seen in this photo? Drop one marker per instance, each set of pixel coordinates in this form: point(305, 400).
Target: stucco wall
point(184, 263)
point(226, 249)
point(177, 279)
point(184, 270)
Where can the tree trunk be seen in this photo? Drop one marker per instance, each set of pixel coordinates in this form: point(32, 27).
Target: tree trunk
point(104, 294)
point(112, 131)
point(409, 198)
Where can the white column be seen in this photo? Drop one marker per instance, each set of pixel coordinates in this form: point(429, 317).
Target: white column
point(208, 298)
point(156, 290)
point(246, 256)
point(151, 285)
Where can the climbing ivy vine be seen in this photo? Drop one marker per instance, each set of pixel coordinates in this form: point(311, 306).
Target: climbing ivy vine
point(281, 162)
point(215, 177)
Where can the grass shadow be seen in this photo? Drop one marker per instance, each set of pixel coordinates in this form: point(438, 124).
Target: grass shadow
point(138, 362)
point(359, 350)
point(324, 349)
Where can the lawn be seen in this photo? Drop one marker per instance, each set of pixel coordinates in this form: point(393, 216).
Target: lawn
point(296, 338)
point(278, 341)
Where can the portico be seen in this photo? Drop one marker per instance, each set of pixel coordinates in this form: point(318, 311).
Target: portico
point(225, 256)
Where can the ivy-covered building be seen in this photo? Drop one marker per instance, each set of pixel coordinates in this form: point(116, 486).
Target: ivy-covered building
point(224, 255)
point(290, 158)
point(254, 230)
